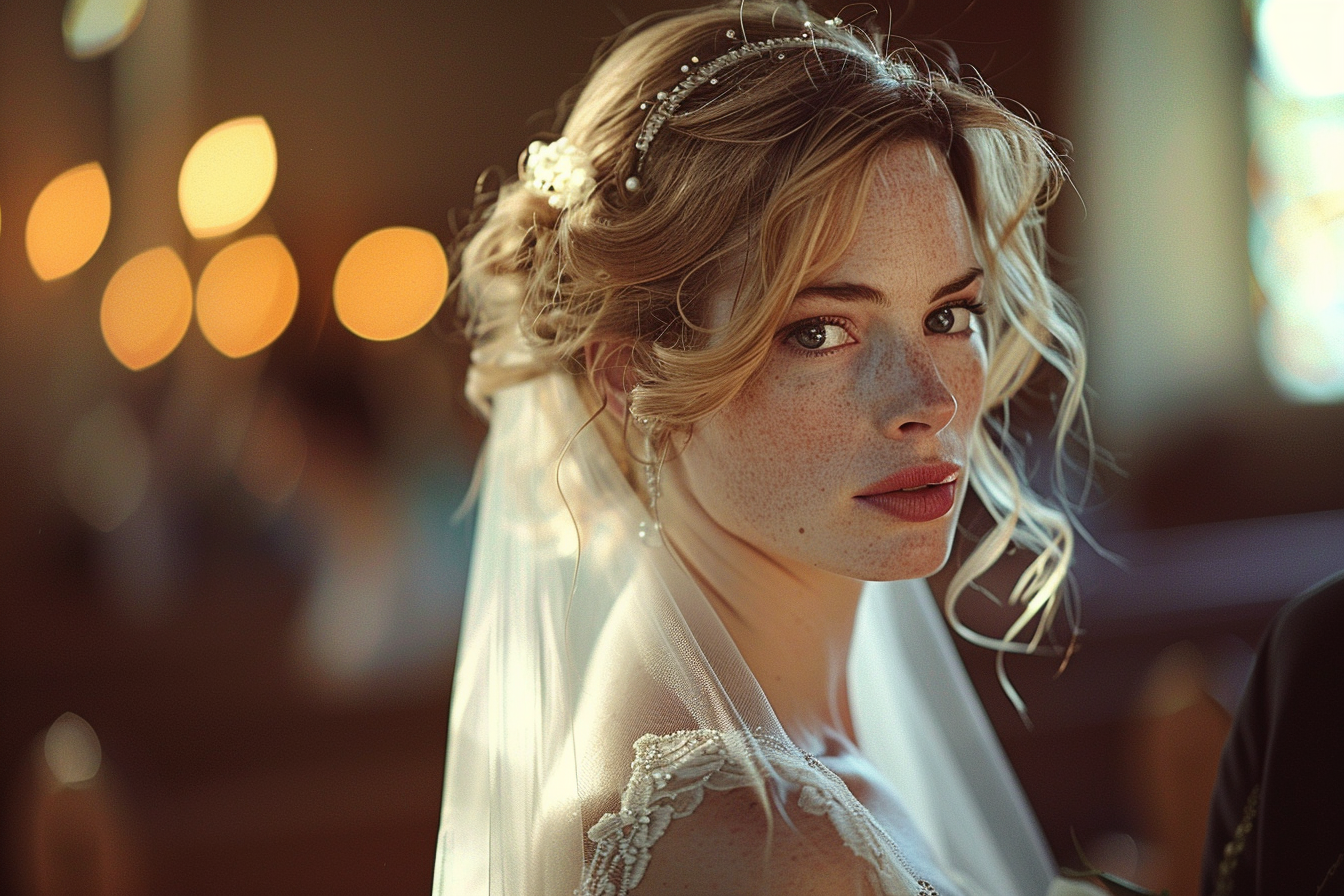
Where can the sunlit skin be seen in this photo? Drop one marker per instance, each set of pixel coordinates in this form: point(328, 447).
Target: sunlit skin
point(878, 366)
point(762, 503)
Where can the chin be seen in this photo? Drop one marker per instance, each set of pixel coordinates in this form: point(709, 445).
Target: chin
point(904, 570)
point(914, 555)
point(907, 550)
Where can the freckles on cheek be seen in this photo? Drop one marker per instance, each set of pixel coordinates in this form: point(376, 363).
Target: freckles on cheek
point(963, 373)
point(770, 442)
point(812, 446)
point(969, 385)
point(794, 419)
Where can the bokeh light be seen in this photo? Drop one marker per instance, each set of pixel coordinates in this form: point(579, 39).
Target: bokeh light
point(1295, 114)
point(1304, 353)
point(104, 467)
point(227, 176)
point(72, 750)
point(146, 308)
point(247, 295)
point(93, 27)
point(68, 221)
point(391, 282)
point(1301, 43)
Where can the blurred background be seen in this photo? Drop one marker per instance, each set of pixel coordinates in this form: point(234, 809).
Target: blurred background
point(233, 437)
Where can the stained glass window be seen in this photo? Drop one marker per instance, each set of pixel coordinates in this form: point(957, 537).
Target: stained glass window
point(1295, 109)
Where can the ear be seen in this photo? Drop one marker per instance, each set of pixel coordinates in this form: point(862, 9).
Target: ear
point(612, 375)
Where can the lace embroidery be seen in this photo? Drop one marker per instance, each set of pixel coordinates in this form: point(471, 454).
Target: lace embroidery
point(858, 831)
point(668, 779)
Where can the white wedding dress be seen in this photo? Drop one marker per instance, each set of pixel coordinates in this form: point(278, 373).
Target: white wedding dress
point(598, 700)
point(669, 778)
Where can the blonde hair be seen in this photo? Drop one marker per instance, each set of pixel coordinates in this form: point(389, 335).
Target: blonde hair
point(757, 184)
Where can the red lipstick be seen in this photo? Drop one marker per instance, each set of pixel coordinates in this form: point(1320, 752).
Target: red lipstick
point(916, 494)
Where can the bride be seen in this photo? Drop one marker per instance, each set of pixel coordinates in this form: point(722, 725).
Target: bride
point(746, 334)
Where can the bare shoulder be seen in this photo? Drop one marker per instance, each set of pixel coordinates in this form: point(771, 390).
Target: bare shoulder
point(729, 845)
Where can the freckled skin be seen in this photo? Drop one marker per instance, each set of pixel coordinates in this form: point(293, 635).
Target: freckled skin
point(781, 465)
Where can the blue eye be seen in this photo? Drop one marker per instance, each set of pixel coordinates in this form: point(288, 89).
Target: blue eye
point(819, 335)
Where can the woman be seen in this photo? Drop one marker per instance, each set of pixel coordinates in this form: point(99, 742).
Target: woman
point(744, 333)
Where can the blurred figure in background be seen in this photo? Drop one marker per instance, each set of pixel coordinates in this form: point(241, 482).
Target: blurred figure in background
point(1276, 825)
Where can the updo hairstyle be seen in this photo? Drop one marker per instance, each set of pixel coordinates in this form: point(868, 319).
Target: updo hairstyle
point(757, 186)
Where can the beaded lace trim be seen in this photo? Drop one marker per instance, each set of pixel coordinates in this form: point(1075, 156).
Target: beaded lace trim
point(668, 779)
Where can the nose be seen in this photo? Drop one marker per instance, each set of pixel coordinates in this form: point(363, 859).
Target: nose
point(918, 400)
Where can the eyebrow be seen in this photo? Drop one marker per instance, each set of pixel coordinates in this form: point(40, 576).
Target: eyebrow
point(858, 292)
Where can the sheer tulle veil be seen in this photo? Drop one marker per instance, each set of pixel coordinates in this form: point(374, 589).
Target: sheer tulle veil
point(582, 632)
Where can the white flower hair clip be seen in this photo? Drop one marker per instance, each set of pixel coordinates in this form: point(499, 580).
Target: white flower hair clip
point(560, 171)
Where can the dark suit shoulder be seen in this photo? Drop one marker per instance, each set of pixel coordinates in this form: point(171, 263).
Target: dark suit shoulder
point(1305, 637)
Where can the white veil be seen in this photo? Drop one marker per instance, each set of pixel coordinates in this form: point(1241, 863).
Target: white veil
point(582, 632)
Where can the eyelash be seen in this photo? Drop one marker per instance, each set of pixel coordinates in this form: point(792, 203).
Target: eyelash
point(975, 306)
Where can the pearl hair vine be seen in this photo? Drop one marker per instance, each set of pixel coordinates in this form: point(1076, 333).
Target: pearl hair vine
point(665, 105)
point(564, 173)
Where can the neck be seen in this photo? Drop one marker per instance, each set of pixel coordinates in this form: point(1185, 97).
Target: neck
point(792, 623)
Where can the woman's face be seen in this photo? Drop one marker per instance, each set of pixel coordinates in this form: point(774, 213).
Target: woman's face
point(848, 452)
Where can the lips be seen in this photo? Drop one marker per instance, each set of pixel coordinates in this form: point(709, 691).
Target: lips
point(916, 494)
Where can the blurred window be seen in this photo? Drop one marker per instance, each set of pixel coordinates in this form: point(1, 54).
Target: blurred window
point(1295, 112)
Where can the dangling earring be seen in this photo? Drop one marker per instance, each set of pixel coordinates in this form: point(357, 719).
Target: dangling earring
point(650, 530)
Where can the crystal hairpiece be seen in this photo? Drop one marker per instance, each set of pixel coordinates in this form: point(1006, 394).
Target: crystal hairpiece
point(668, 101)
